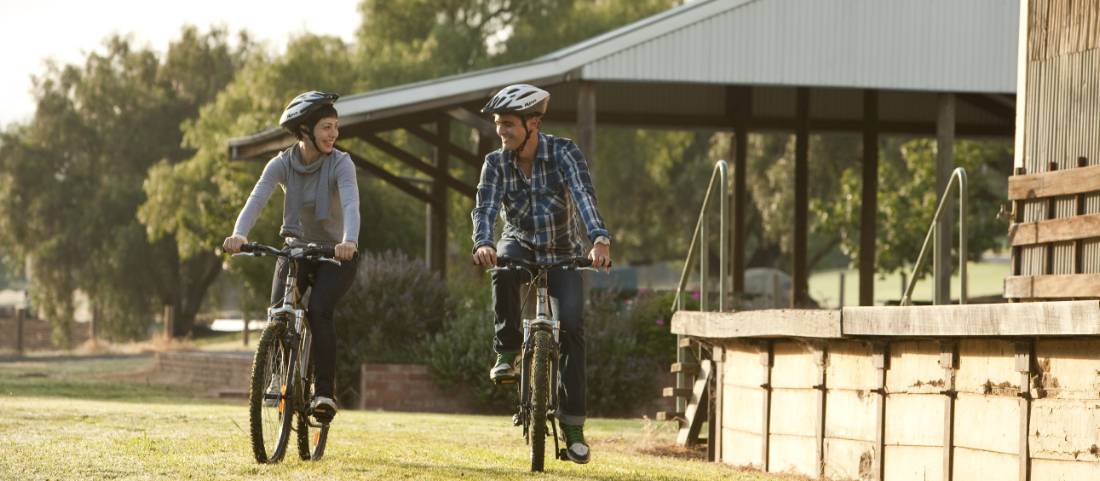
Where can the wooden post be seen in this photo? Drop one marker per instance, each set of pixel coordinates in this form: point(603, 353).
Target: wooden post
point(739, 107)
point(244, 329)
point(168, 321)
point(714, 437)
point(948, 354)
point(586, 119)
point(19, 315)
point(437, 223)
point(766, 385)
point(868, 211)
point(945, 164)
point(821, 360)
point(1023, 366)
point(800, 286)
point(880, 359)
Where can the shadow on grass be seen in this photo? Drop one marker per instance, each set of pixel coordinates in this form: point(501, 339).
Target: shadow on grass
point(471, 472)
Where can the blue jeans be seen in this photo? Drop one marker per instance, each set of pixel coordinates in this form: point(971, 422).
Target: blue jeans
point(567, 303)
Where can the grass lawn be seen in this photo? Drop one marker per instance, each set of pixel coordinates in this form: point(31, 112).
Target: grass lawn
point(985, 279)
point(65, 419)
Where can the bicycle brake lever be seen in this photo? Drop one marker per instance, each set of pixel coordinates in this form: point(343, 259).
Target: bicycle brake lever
point(330, 261)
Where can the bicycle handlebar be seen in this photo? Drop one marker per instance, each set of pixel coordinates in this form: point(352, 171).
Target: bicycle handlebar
point(576, 263)
point(311, 251)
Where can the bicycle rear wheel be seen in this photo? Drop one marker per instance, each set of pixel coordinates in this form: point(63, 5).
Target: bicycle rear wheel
point(270, 408)
point(540, 396)
point(311, 445)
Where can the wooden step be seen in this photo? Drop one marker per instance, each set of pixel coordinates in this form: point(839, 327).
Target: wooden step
point(669, 415)
point(684, 392)
point(688, 368)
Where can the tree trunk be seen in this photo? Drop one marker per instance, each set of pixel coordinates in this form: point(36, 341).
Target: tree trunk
point(196, 276)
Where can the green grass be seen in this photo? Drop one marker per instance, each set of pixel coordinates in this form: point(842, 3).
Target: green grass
point(60, 420)
point(985, 279)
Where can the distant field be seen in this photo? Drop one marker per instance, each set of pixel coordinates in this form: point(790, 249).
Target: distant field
point(59, 420)
point(986, 279)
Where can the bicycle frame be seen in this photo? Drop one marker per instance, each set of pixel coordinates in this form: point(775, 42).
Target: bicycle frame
point(291, 307)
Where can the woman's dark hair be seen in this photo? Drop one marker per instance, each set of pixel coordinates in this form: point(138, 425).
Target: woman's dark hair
point(310, 121)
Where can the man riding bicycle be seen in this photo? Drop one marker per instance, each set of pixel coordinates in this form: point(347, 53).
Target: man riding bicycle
point(321, 206)
point(546, 191)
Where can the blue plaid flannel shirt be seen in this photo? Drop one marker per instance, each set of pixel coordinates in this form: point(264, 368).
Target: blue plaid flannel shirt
point(539, 212)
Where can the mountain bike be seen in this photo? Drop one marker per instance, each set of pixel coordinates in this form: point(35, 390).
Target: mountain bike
point(538, 379)
point(282, 384)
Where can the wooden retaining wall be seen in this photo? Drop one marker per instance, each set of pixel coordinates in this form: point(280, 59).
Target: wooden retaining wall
point(1003, 392)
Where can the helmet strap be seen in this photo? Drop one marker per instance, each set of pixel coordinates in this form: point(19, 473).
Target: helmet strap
point(526, 135)
point(312, 139)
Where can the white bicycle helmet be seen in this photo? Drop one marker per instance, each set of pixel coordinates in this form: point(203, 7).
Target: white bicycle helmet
point(523, 99)
point(303, 105)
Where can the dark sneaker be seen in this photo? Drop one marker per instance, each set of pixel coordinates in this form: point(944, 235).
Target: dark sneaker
point(575, 447)
point(323, 409)
point(504, 372)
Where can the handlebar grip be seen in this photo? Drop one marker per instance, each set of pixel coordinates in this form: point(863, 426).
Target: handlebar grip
point(250, 247)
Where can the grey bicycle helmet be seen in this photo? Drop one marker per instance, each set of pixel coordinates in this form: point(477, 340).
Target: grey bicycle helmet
point(301, 108)
point(303, 105)
point(523, 99)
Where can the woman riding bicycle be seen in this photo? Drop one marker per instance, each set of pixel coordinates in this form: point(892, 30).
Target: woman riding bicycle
point(543, 184)
point(321, 206)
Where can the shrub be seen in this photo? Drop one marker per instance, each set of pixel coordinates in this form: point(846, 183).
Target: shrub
point(460, 354)
point(393, 306)
point(627, 338)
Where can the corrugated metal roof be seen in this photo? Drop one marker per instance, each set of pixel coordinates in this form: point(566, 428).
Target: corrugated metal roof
point(929, 45)
point(923, 45)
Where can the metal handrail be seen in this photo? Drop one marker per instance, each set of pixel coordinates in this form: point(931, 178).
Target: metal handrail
point(721, 172)
point(959, 173)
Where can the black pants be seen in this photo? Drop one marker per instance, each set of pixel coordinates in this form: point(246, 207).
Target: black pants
point(330, 283)
point(567, 303)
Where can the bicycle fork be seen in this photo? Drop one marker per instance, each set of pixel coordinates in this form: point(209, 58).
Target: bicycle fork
point(543, 321)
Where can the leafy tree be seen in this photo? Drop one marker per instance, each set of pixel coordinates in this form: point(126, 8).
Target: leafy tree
point(74, 176)
point(907, 199)
point(197, 200)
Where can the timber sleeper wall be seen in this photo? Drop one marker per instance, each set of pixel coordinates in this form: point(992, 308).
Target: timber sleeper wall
point(908, 402)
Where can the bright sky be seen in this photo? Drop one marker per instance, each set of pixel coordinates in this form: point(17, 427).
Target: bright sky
point(33, 31)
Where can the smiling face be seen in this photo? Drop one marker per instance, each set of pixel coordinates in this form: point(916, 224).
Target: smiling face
point(326, 132)
point(510, 129)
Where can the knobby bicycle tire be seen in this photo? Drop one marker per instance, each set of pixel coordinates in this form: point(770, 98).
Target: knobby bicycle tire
point(271, 350)
point(310, 446)
point(540, 396)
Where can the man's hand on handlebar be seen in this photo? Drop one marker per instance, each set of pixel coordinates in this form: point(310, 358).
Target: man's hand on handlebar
point(601, 256)
point(485, 256)
point(233, 243)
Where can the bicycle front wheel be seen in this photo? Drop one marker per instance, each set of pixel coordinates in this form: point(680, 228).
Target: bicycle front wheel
point(270, 407)
point(540, 396)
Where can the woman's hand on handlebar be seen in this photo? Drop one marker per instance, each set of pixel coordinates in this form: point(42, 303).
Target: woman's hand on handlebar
point(485, 256)
point(233, 243)
point(345, 251)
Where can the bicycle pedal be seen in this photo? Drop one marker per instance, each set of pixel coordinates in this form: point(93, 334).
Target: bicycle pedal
point(562, 455)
